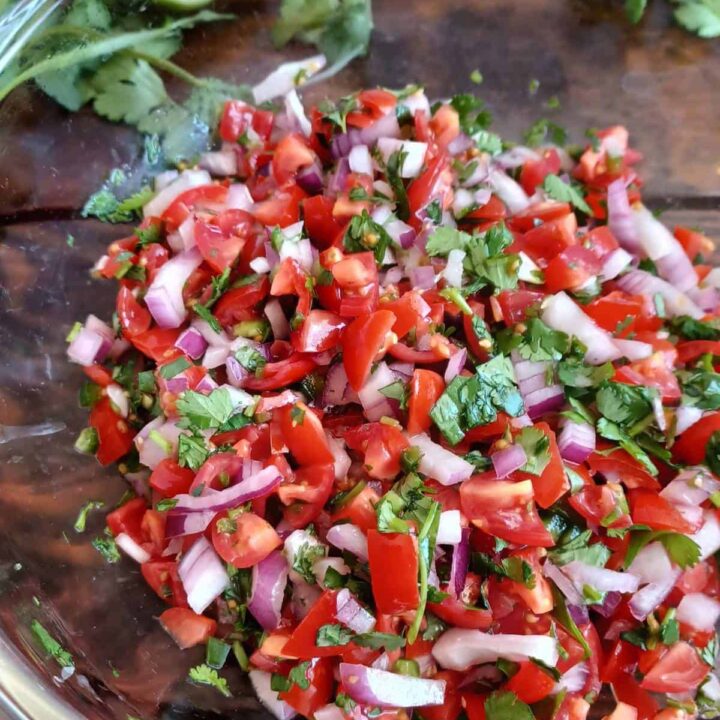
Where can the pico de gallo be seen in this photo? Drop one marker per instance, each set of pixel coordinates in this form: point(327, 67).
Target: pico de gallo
point(417, 420)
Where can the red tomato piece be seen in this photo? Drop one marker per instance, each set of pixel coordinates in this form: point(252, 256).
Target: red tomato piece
point(571, 269)
point(552, 484)
point(282, 209)
point(678, 671)
point(689, 448)
point(534, 172)
point(169, 479)
point(115, 436)
point(158, 343)
point(363, 340)
point(245, 540)
point(649, 508)
point(530, 683)
point(546, 241)
point(457, 613)
point(162, 576)
point(307, 701)
point(382, 446)
point(304, 434)
point(515, 304)
point(128, 519)
point(321, 330)
point(187, 628)
point(279, 374)
point(320, 224)
point(302, 642)
point(291, 154)
point(134, 318)
point(426, 387)
point(393, 571)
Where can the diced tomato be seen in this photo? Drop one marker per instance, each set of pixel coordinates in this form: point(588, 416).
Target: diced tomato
point(280, 374)
point(304, 434)
point(602, 505)
point(134, 318)
point(445, 124)
point(515, 304)
point(243, 540)
point(694, 243)
point(651, 372)
point(238, 118)
point(457, 613)
point(283, 208)
point(693, 349)
point(302, 643)
point(382, 446)
point(128, 519)
point(571, 269)
point(426, 387)
point(409, 310)
point(544, 242)
point(530, 683)
point(115, 436)
point(552, 484)
point(158, 343)
point(169, 479)
point(393, 571)
point(320, 224)
point(649, 508)
point(690, 447)
point(420, 191)
point(321, 330)
point(187, 628)
point(364, 339)
point(192, 200)
point(622, 658)
point(618, 466)
point(308, 700)
point(505, 509)
point(162, 576)
point(451, 708)
point(678, 671)
point(534, 172)
point(307, 494)
point(360, 509)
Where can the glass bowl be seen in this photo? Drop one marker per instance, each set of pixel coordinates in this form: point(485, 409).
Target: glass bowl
point(659, 81)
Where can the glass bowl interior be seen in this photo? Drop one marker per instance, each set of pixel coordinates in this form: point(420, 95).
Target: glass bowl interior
point(660, 82)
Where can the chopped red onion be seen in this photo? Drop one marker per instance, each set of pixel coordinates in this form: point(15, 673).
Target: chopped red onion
point(563, 583)
point(131, 548)
point(453, 272)
point(692, 486)
point(576, 441)
point(373, 401)
point(545, 400)
point(278, 322)
point(401, 233)
point(620, 216)
point(639, 282)
point(404, 370)
point(508, 191)
point(269, 578)
point(644, 601)
point(387, 126)
point(215, 356)
point(158, 443)
point(336, 385)
point(279, 709)
point(349, 537)
point(239, 197)
point(310, 179)
point(360, 160)
point(609, 604)
point(516, 157)
point(203, 575)
point(443, 465)
point(572, 681)
point(562, 313)
point(685, 417)
point(342, 461)
point(423, 277)
point(386, 689)
point(460, 649)
point(87, 347)
point(460, 564)
point(187, 180)
point(350, 613)
point(236, 373)
point(164, 297)
point(272, 402)
point(699, 611)
point(708, 537)
point(707, 298)
point(579, 614)
point(216, 339)
point(521, 421)
point(329, 712)
point(338, 180)
point(192, 343)
point(179, 524)
point(601, 579)
point(459, 144)
point(296, 113)
point(255, 486)
point(119, 399)
point(450, 528)
point(508, 460)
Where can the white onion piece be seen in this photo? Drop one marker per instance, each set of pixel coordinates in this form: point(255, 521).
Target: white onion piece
point(188, 179)
point(651, 564)
point(203, 575)
point(639, 282)
point(295, 110)
point(239, 197)
point(450, 528)
point(601, 579)
point(443, 465)
point(372, 400)
point(220, 163)
point(414, 154)
point(417, 101)
point(685, 417)
point(329, 712)
point(379, 687)
point(692, 486)
point(708, 537)
point(634, 349)
point(260, 681)
point(561, 313)
point(350, 613)
point(131, 548)
point(360, 161)
point(563, 583)
point(164, 297)
point(86, 347)
point(293, 542)
point(220, 339)
point(118, 397)
point(349, 537)
point(260, 265)
point(459, 649)
point(620, 217)
point(509, 192)
point(321, 566)
point(614, 263)
point(528, 271)
point(453, 272)
point(645, 600)
point(282, 80)
point(341, 459)
point(215, 356)
point(164, 179)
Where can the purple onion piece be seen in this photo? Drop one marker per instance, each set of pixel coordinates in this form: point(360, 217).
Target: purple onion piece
point(460, 564)
point(579, 614)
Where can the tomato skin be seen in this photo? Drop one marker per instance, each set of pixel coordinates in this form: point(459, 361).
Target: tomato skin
point(363, 339)
point(307, 495)
point(360, 510)
point(677, 671)
point(426, 387)
point(515, 304)
point(134, 318)
point(252, 540)
point(694, 243)
point(193, 199)
point(534, 172)
point(231, 306)
point(128, 519)
point(98, 374)
point(456, 613)
point(451, 708)
point(220, 242)
point(530, 683)
point(279, 374)
point(382, 446)
point(474, 705)
point(421, 189)
point(538, 598)
point(169, 479)
point(308, 701)
point(321, 226)
point(283, 208)
point(649, 508)
point(445, 124)
point(307, 440)
point(597, 502)
point(492, 211)
point(158, 343)
point(162, 576)
point(393, 571)
point(569, 270)
point(689, 448)
point(651, 372)
point(115, 436)
point(693, 349)
point(301, 643)
point(291, 154)
point(237, 117)
point(321, 330)
point(187, 628)
point(619, 466)
point(545, 241)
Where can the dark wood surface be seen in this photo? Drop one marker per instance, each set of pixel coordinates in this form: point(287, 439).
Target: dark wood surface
point(660, 82)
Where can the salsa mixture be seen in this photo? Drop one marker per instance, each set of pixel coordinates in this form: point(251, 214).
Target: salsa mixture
point(418, 422)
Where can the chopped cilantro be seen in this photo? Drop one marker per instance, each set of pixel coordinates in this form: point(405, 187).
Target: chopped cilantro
point(692, 329)
point(192, 451)
point(106, 546)
point(205, 411)
point(251, 359)
point(540, 342)
point(624, 404)
point(305, 557)
point(174, 368)
point(505, 705)
point(434, 211)
point(51, 646)
point(555, 188)
point(543, 130)
point(81, 521)
point(332, 635)
point(364, 234)
point(205, 675)
point(536, 445)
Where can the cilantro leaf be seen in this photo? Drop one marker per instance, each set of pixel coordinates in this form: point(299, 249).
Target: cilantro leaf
point(505, 705)
point(543, 129)
point(611, 431)
point(51, 646)
point(475, 121)
point(106, 546)
point(299, 675)
point(624, 404)
point(205, 411)
point(363, 234)
point(205, 675)
point(444, 239)
point(701, 389)
point(192, 452)
point(634, 10)
point(681, 549)
point(541, 342)
point(575, 373)
point(536, 445)
point(699, 16)
point(693, 329)
point(596, 554)
point(712, 452)
point(81, 521)
point(394, 179)
point(204, 313)
point(377, 640)
point(555, 188)
point(250, 359)
point(332, 635)
point(304, 560)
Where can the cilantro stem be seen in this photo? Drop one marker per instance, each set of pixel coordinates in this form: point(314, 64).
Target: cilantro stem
point(169, 67)
point(420, 614)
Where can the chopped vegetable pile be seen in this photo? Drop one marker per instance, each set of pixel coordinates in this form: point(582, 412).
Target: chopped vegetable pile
point(416, 418)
